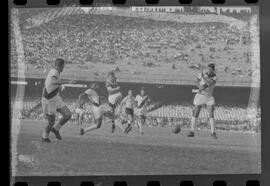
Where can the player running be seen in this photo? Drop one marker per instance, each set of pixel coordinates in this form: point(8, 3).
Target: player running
point(52, 102)
point(128, 103)
point(142, 101)
point(206, 83)
point(114, 95)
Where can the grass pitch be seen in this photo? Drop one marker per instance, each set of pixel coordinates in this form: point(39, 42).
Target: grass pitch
point(158, 151)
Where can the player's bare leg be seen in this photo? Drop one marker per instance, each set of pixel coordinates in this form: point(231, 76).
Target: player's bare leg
point(211, 109)
point(97, 125)
point(66, 115)
point(141, 123)
point(80, 119)
point(194, 119)
point(119, 123)
point(129, 123)
point(77, 119)
point(113, 106)
point(46, 132)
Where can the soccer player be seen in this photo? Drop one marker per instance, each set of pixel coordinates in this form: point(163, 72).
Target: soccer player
point(115, 95)
point(142, 101)
point(90, 96)
point(80, 104)
point(206, 83)
point(52, 102)
point(128, 103)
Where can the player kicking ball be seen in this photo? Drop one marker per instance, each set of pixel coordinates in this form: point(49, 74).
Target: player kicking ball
point(115, 95)
point(206, 83)
point(142, 101)
point(52, 102)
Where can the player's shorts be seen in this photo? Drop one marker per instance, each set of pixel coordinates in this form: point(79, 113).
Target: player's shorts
point(79, 111)
point(115, 98)
point(201, 99)
point(141, 111)
point(129, 111)
point(98, 111)
point(50, 106)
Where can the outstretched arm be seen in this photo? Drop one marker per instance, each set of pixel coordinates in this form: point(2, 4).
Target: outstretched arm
point(56, 81)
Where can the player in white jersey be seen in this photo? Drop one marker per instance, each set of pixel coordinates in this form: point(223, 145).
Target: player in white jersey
point(52, 102)
point(128, 103)
point(115, 95)
point(206, 83)
point(90, 96)
point(80, 104)
point(142, 101)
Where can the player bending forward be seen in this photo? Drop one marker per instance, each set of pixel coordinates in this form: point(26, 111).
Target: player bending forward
point(52, 102)
point(128, 103)
point(80, 105)
point(115, 95)
point(142, 101)
point(206, 83)
point(90, 96)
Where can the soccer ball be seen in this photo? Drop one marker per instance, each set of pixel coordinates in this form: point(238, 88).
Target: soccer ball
point(176, 129)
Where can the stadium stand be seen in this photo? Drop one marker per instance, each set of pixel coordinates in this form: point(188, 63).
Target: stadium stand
point(85, 39)
point(228, 118)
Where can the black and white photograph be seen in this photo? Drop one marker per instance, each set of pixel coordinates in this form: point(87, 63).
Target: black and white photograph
point(151, 90)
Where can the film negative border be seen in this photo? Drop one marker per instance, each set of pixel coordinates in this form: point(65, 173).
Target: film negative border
point(182, 180)
point(52, 3)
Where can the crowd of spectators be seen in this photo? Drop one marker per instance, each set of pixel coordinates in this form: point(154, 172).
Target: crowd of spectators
point(89, 38)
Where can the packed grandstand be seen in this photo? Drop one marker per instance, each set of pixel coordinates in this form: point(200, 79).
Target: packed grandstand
point(156, 45)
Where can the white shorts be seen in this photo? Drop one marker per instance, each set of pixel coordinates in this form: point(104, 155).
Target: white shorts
point(141, 111)
point(98, 111)
point(115, 98)
point(79, 111)
point(201, 99)
point(50, 106)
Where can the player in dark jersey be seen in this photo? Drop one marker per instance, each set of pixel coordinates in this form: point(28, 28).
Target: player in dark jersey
point(206, 82)
point(115, 95)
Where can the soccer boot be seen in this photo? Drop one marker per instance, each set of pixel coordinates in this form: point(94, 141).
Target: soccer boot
point(214, 135)
point(46, 140)
point(191, 134)
point(81, 132)
point(56, 133)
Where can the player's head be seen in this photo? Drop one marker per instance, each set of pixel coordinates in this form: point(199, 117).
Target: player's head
point(59, 64)
point(142, 91)
point(211, 67)
point(111, 75)
point(130, 92)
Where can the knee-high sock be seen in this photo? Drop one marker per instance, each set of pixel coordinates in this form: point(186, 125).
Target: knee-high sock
point(193, 123)
point(61, 122)
point(90, 128)
point(47, 130)
point(212, 124)
point(140, 126)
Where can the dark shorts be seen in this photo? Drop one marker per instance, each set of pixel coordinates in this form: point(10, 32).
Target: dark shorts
point(129, 111)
